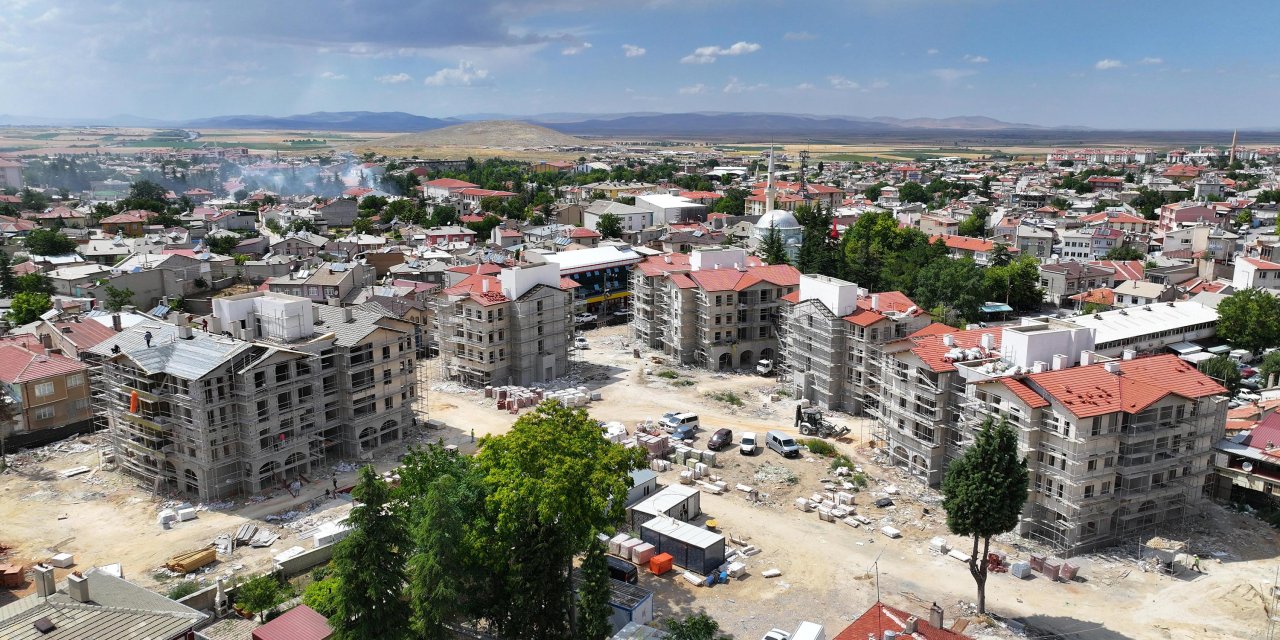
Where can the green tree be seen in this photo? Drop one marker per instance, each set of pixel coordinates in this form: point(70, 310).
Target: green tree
point(1223, 370)
point(1244, 218)
point(593, 595)
point(484, 228)
point(1125, 252)
point(1250, 319)
point(260, 594)
point(47, 242)
point(404, 211)
point(913, 192)
point(273, 225)
point(33, 200)
point(26, 308)
point(954, 285)
point(983, 493)
point(552, 482)
point(362, 225)
point(698, 626)
point(444, 215)
point(441, 570)
point(1060, 203)
point(369, 566)
point(373, 203)
point(733, 203)
point(610, 226)
point(321, 595)
point(33, 283)
point(1016, 283)
point(1270, 367)
point(975, 225)
point(118, 298)
point(7, 285)
point(772, 250)
point(819, 251)
point(240, 195)
point(872, 192)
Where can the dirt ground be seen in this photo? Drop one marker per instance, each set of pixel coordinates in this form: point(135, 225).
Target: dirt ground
point(829, 570)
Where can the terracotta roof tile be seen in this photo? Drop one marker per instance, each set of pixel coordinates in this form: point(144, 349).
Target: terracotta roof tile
point(1092, 390)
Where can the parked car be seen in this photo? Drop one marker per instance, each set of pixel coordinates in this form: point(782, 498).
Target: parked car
point(684, 432)
point(747, 445)
point(776, 634)
point(673, 421)
point(620, 569)
point(784, 444)
point(764, 367)
point(581, 343)
point(583, 318)
point(720, 439)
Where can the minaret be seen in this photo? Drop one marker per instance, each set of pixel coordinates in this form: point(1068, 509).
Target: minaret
point(769, 191)
point(804, 181)
point(1231, 157)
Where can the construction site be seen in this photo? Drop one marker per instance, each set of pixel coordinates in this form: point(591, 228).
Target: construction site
point(67, 498)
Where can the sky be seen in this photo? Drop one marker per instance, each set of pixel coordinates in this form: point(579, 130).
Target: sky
point(1096, 63)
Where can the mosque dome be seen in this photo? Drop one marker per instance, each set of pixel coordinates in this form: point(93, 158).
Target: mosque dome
point(779, 219)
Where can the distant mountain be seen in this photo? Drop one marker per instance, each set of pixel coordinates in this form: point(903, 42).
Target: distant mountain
point(976, 123)
point(487, 133)
point(326, 121)
point(737, 124)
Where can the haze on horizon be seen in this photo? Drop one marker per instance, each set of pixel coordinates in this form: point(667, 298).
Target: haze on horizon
point(1175, 65)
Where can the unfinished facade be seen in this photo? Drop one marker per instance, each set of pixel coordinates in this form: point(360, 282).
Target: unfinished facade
point(832, 339)
point(717, 309)
point(511, 329)
point(287, 387)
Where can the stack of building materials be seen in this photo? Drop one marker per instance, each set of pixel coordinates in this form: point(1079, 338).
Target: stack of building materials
point(657, 446)
point(615, 543)
point(245, 533)
point(658, 464)
point(939, 545)
point(1020, 570)
point(11, 576)
point(890, 532)
point(62, 560)
point(615, 432)
point(627, 548)
point(1069, 571)
point(190, 561)
point(571, 397)
point(642, 553)
point(1052, 568)
point(844, 498)
point(331, 532)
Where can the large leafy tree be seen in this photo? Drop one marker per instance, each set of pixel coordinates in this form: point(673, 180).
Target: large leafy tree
point(953, 287)
point(610, 225)
point(47, 242)
point(7, 284)
point(1016, 283)
point(772, 250)
point(369, 565)
point(1270, 367)
point(1223, 370)
point(261, 593)
point(975, 225)
point(698, 626)
point(913, 192)
point(1250, 319)
point(26, 308)
point(118, 298)
point(551, 482)
point(33, 282)
point(733, 203)
point(593, 595)
point(983, 493)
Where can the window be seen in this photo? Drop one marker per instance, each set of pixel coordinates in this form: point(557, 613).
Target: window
point(44, 413)
point(75, 380)
point(1106, 488)
point(361, 380)
point(1088, 491)
point(44, 389)
point(1093, 465)
point(386, 352)
point(386, 403)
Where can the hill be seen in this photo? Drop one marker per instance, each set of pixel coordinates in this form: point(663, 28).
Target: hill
point(488, 133)
point(325, 121)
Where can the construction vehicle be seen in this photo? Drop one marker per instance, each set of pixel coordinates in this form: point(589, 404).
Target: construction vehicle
point(764, 367)
point(809, 422)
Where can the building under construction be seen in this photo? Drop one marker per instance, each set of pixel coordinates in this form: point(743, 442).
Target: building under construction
point(276, 389)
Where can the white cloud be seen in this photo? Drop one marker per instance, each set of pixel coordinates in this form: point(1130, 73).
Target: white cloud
point(1150, 60)
point(879, 84)
point(575, 49)
point(841, 82)
point(632, 51)
point(931, 52)
point(329, 75)
point(805, 86)
point(950, 76)
point(706, 55)
point(693, 90)
point(237, 81)
point(737, 86)
point(976, 59)
point(1108, 63)
point(395, 78)
point(796, 36)
point(465, 74)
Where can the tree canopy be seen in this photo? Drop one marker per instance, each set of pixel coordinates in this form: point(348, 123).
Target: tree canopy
point(47, 242)
point(369, 565)
point(609, 225)
point(26, 307)
point(1250, 319)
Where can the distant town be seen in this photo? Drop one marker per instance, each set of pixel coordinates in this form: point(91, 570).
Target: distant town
point(605, 389)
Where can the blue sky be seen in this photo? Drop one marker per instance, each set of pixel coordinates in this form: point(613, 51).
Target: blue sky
point(1098, 63)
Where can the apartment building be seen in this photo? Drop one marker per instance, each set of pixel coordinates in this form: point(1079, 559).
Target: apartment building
point(514, 328)
point(1116, 447)
point(832, 339)
point(277, 389)
point(329, 282)
point(715, 308)
point(47, 393)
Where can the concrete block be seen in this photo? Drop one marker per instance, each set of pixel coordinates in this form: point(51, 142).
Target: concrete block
point(186, 514)
point(62, 560)
point(890, 532)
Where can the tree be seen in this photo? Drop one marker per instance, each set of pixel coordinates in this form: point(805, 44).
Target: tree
point(33, 283)
point(610, 225)
point(7, 287)
point(913, 192)
point(1016, 283)
point(593, 595)
point(260, 594)
point(26, 308)
point(1125, 252)
point(369, 566)
point(1223, 370)
point(872, 192)
point(321, 596)
point(698, 626)
point(772, 249)
point(33, 200)
point(975, 225)
point(734, 202)
point(439, 575)
point(1270, 367)
point(484, 228)
point(240, 195)
point(118, 298)
point(444, 215)
point(1244, 218)
point(47, 242)
point(1250, 319)
point(362, 225)
point(983, 493)
point(954, 285)
point(1060, 203)
point(552, 482)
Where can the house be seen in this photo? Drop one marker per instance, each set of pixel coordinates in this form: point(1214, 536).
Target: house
point(1137, 293)
point(59, 217)
point(1183, 214)
point(1255, 273)
point(632, 218)
point(907, 173)
point(1180, 173)
point(1063, 279)
point(883, 621)
point(473, 195)
point(1033, 240)
point(299, 244)
point(94, 605)
point(325, 284)
point(976, 249)
point(667, 209)
point(442, 188)
point(1109, 183)
point(612, 190)
point(198, 196)
point(1121, 220)
point(47, 392)
point(337, 212)
point(299, 623)
point(10, 174)
point(552, 166)
point(448, 235)
point(129, 223)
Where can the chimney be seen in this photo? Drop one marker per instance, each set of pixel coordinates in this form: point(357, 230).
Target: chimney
point(46, 340)
point(346, 315)
point(910, 626)
point(1059, 362)
point(78, 587)
point(184, 332)
point(484, 285)
point(1128, 354)
point(115, 323)
point(935, 616)
point(45, 586)
point(875, 302)
point(1038, 366)
point(988, 341)
point(1112, 367)
point(948, 340)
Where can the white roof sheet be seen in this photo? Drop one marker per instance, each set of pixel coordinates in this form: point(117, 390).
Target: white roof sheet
point(687, 533)
point(1119, 324)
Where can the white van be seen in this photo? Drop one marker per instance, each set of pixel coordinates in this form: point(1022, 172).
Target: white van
point(747, 444)
point(674, 421)
point(782, 443)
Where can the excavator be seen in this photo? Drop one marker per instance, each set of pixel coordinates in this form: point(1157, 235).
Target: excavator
point(809, 422)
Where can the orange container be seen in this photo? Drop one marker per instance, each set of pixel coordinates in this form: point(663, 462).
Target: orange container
point(661, 563)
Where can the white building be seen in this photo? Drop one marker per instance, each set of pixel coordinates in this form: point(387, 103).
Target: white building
point(1254, 273)
point(668, 209)
point(632, 218)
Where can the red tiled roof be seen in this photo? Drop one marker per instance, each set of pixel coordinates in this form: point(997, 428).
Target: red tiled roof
point(730, 279)
point(932, 329)
point(357, 191)
point(136, 215)
point(1262, 264)
point(1125, 269)
point(19, 364)
point(792, 297)
point(583, 232)
point(1024, 393)
point(474, 286)
point(895, 301)
point(965, 243)
point(449, 183)
point(483, 268)
point(882, 617)
point(1092, 390)
point(1102, 295)
point(701, 195)
point(931, 349)
point(299, 623)
point(484, 193)
point(1114, 217)
point(84, 334)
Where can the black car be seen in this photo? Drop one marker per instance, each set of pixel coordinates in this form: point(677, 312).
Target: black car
point(620, 569)
point(720, 439)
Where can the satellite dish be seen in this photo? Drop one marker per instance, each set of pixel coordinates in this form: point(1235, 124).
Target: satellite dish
point(1248, 467)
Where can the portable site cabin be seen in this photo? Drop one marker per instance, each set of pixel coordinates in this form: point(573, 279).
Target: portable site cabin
point(643, 483)
point(676, 501)
point(631, 604)
point(691, 547)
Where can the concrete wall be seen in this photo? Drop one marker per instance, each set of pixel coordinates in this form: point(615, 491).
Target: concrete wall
point(717, 259)
point(838, 296)
point(516, 281)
